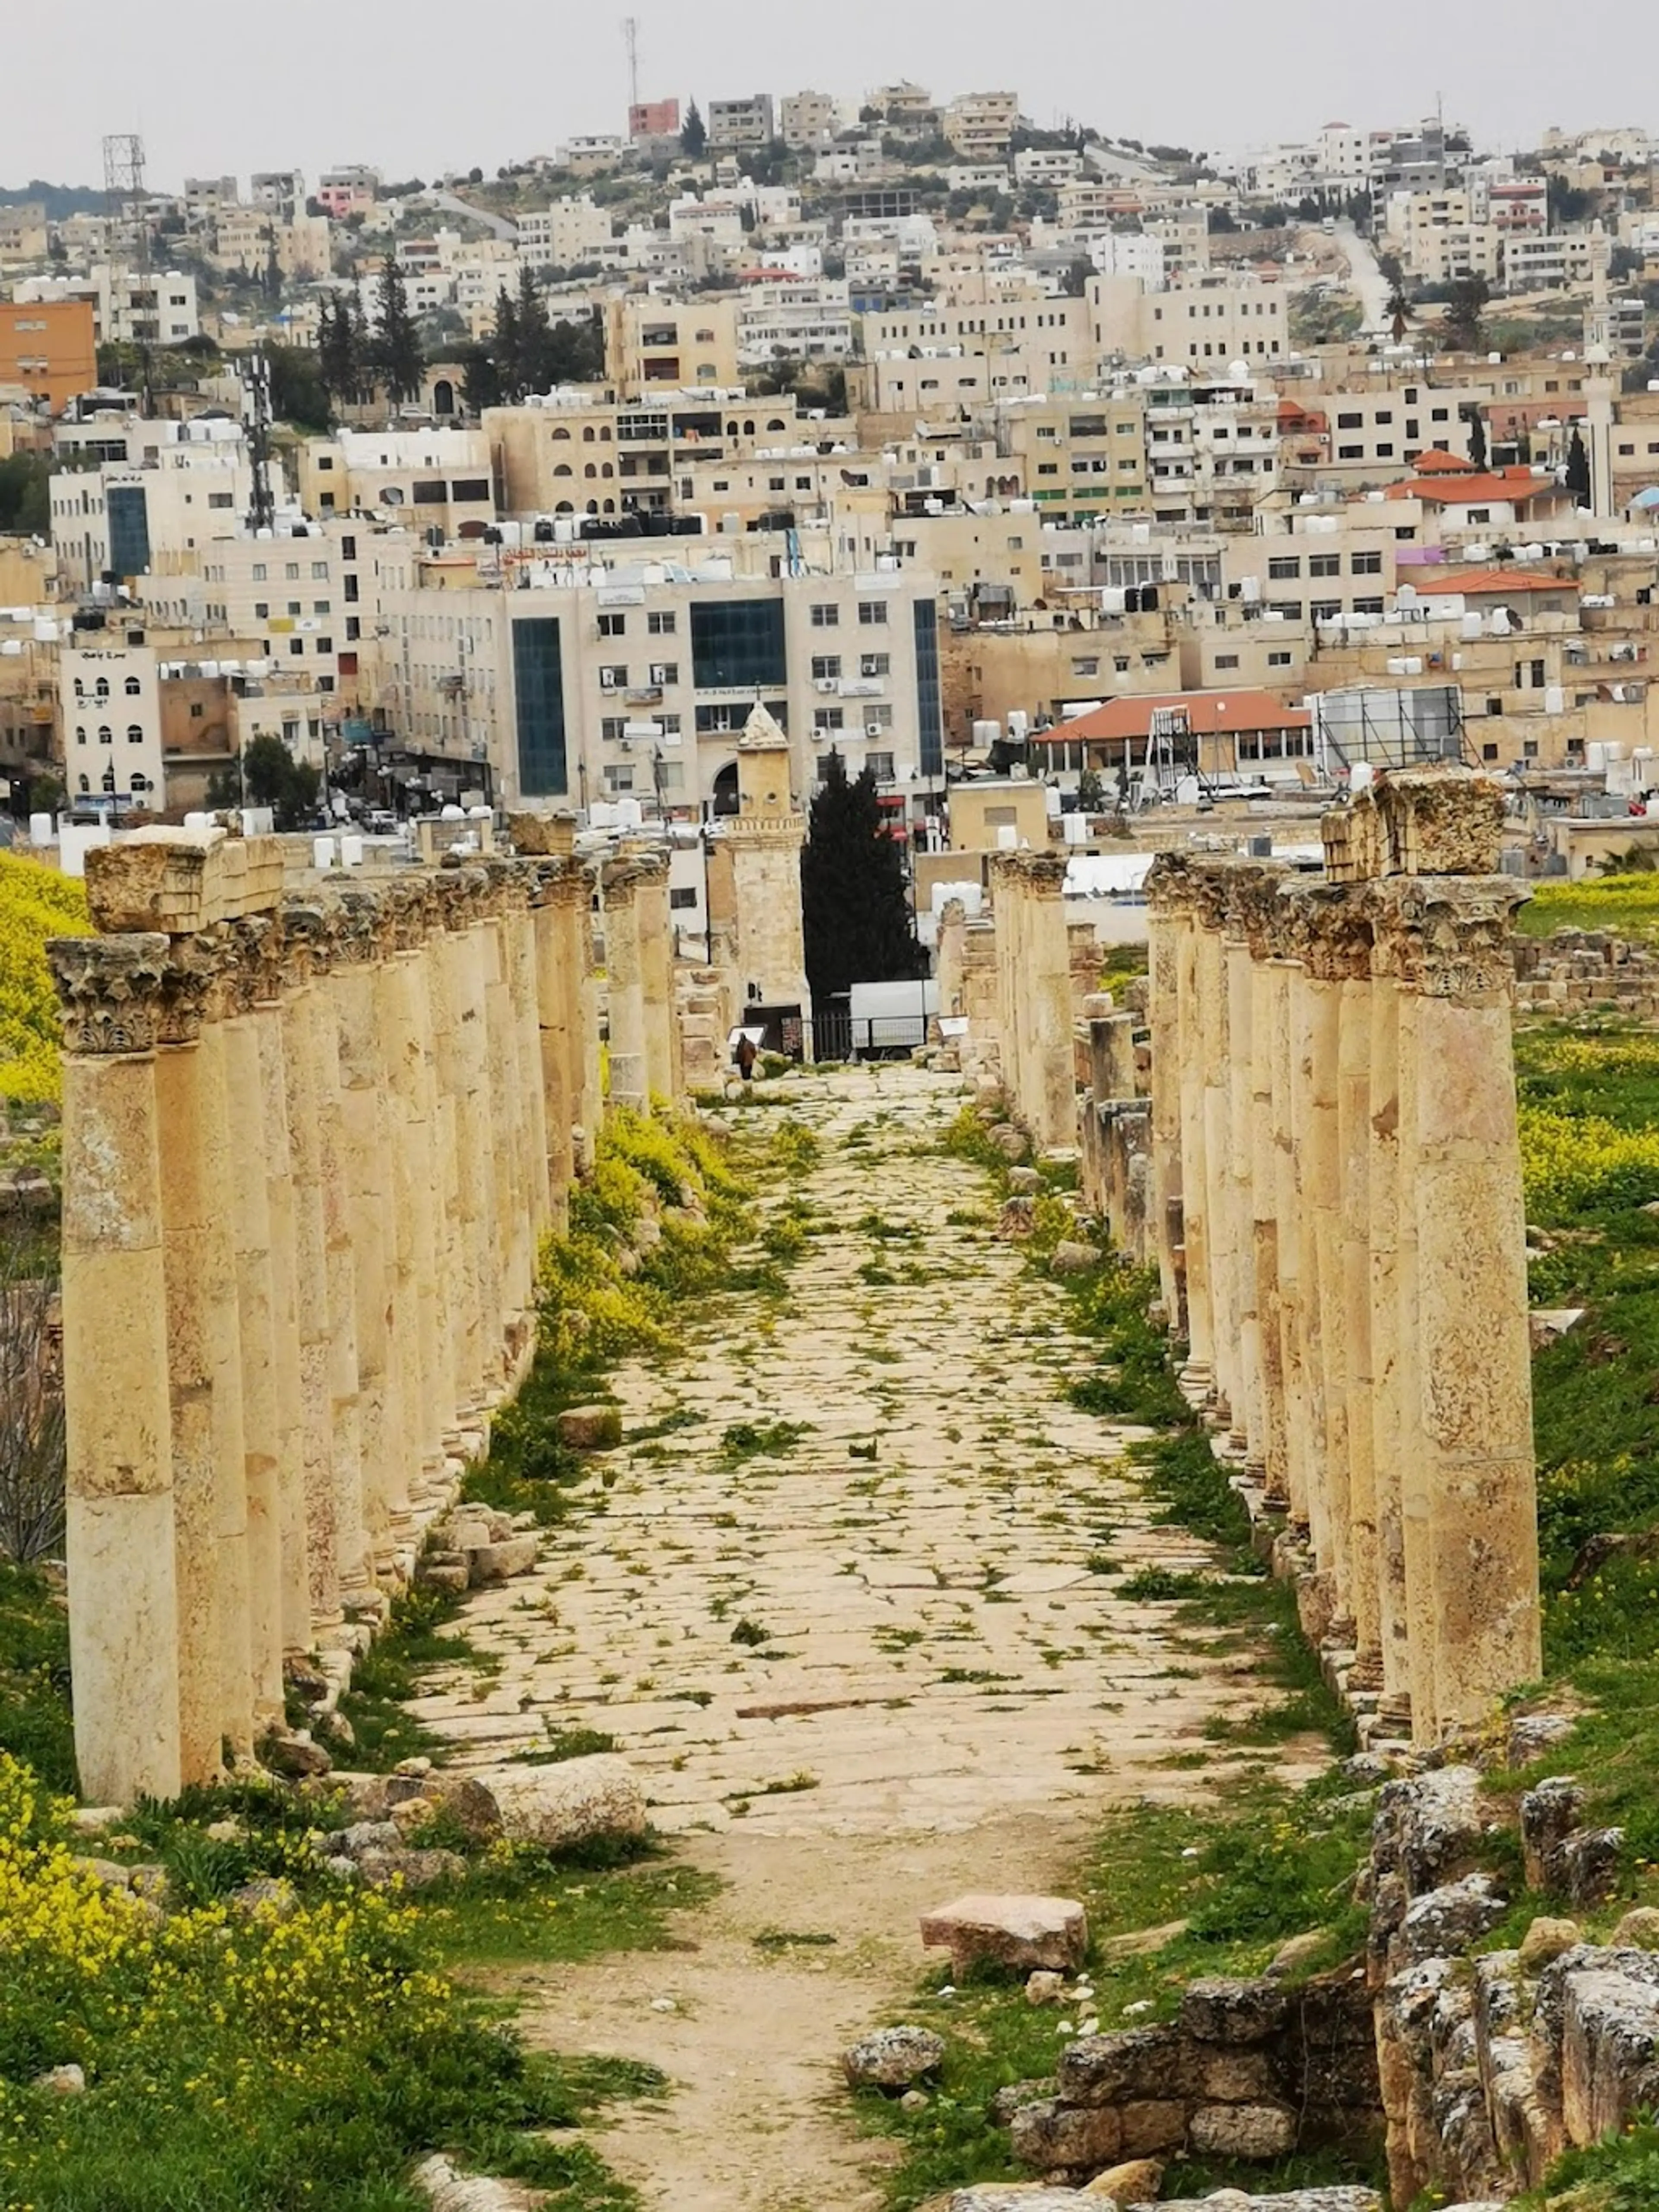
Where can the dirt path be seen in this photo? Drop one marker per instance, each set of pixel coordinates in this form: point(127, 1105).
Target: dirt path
point(860, 1671)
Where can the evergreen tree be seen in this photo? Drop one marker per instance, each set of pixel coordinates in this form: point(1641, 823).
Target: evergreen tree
point(273, 270)
point(337, 352)
point(363, 352)
point(504, 347)
point(398, 355)
point(535, 334)
point(1476, 422)
point(480, 385)
point(855, 905)
point(694, 138)
point(1578, 471)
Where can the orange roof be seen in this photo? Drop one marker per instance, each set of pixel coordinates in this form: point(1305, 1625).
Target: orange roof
point(1438, 459)
point(1517, 484)
point(1477, 583)
point(1209, 713)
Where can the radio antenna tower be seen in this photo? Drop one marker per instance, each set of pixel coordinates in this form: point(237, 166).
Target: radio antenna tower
point(256, 376)
point(631, 39)
point(129, 212)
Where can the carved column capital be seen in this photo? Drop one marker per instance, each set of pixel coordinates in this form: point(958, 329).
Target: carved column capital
point(110, 991)
point(1448, 936)
point(1170, 887)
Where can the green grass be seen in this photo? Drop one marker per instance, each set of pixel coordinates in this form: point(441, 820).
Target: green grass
point(391, 1673)
point(36, 1725)
point(1623, 906)
point(746, 1440)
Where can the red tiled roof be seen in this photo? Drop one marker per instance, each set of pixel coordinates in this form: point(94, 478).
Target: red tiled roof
point(1517, 484)
point(1476, 583)
point(1208, 713)
point(1438, 460)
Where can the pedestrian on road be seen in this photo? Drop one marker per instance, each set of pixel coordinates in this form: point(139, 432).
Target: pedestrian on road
point(746, 1058)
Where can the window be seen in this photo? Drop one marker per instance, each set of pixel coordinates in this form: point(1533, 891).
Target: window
point(680, 897)
point(1278, 661)
point(875, 664)
point(106, 735)
point(1365, 564)
point(219, 499)
point(878, 715)
point(1325, 564)
point(1385, 453)
point(348, 549)
point(1226, 660)
point(197, 711)
point(829, 718)
point(319, 606)
point(1324, 610)
point(1285, 568)
point(136, 733)
point(1088, 668)
point(826, 667)
point(353, 630)
point(470, 489)
point(258, 572)
point(324, 644)
point(665, 673)
point(661, 625)
point(296, 646)
point(1440, 415)
point(613, 728)
point(613, 680)
point(291, 571)
point(132, 687)
point(872, 613)
point(1479, 514)
point(1489, 752)
point(262, 610)
point(613, 625)
point(1350, 421)
point(1351, 452)
point(739, 643)
point(880, 766)
point(1494, 706)
point(296, 607)
point(319, 571)
point(826, 618)
point(1368, 606)
point(351, 591)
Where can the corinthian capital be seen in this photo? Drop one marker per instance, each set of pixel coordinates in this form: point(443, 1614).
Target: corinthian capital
point(111, 990)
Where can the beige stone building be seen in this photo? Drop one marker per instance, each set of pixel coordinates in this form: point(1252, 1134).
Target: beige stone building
point(1214, 318)
point(681, 345)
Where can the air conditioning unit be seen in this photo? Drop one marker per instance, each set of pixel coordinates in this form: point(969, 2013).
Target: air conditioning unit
point(826, 684)
point(874, 730)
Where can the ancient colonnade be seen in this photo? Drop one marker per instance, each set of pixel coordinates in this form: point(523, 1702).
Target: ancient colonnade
point(311, 1145)
point(1337, 1213)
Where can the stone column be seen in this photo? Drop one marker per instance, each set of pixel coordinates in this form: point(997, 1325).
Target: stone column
point(471, 1217)
point(294, 1605)
point(332, 1007)
point(264, 1444)
point(1198, 1374)
point(558, 997)
point(503, 1143)
point(1287, 976)
point(587, 1029)
point(1324, 1260)
point(1475, 1375)
point(365, 1139)
point(124, 1622)
point(419, 1369)
point(1045, 985)
point(456, 1313)
point(203, 1386)
point(656, 936)
point(1248, 1431)
point(1388, 1399)
point(630, 1064)
point(1263, 1158)
point(1209, 1072)
point(1164, 892)
point(311, 1275)
point(1354, 1143)
point(535, 1208)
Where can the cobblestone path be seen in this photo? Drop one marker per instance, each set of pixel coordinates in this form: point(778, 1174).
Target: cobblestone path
point(861, 1667)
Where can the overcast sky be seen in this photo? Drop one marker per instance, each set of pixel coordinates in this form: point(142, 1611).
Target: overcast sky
point(417, 88)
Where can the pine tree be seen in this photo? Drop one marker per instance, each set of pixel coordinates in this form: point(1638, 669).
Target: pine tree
point(1578, 471)
point(504, 347)
point(363, 352)
point(535, 352)
point(694, 138)
point(1476, 422)
point(398, 353)
point(855, 906)
point(337, 352)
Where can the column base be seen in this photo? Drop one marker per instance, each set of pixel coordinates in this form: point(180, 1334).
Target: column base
point(1366, 1673)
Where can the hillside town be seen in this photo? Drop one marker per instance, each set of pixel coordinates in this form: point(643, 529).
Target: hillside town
point(1117, 465)
point(830, 1161)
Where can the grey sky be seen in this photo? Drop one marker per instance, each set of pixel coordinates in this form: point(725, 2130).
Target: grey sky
point(417, 86)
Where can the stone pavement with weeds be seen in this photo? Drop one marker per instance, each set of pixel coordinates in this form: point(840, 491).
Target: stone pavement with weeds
point(848, 1597)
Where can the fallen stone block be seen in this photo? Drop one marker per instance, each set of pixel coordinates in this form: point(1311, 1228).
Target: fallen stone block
point(892, 2058)
point(1014, 2196)
point(1024, 1182)
point(1020, 1932)
point(500, 1562)
point(1134, 2062)
point(62, 2082)
point(1221, 2010)
point(1072, 1258)
point(1136, 2182)
point(591, 1428)
point(403, 1869)
point(1451, 1919)
point(576, 1802)
point(448, 2189)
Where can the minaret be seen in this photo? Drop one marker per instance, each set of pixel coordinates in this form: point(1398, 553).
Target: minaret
point(765, 841)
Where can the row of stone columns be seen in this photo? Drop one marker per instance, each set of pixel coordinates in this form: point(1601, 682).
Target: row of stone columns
point(1034, 1021)
point(647, 1052)
point(1337, 1182)
point(311, 1153)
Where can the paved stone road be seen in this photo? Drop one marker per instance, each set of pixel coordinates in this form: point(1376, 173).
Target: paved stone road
point(859, 1671)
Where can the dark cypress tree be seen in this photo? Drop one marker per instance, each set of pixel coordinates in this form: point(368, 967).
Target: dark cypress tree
point(855, 905)
point(535, 365)
point(398, 353)
point(363, 352)
point(1578, 470)
point(337, 352)
point(1477, 423)
point(694, 138)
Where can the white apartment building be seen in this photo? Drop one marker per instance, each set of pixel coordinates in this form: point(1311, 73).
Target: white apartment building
point(110, 703)
point(1047, 168)
point(300, 597)
point(128, 309)
point(805, 320)
point(146, 497)
point(637, 681)
point(1211, 318)
point(568, 233)
point(1127, 253)
point(431, 479)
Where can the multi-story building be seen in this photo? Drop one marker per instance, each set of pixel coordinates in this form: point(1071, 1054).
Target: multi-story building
point(129, 307)
point(48, 348)
point(24, 237)
point(809, 120)
point(798, 320)
point(638, 681)
point(350, 190)
point(981, 124)
point(281, 193)
point(1080, 458)
point(437, 479)
point(653, 120)
point(179, 486)
point(654, 341)
point(571, 232)
point(1212, 317)
point(741, 126)
point(110, 704)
